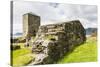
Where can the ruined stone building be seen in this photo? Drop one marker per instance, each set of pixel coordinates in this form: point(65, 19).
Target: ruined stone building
point(31, 23)
point(54, 40)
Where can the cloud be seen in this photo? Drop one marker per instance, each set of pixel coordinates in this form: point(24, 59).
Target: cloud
point(54, 12)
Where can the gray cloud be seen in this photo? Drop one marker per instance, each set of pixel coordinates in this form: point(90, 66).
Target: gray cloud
point(54, 12)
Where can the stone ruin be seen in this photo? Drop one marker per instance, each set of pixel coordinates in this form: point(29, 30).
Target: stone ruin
point(51, 41)
point(31, 23)
point(54, 40)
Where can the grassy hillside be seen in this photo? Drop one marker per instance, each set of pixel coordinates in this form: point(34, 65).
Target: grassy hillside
point(22, 56)
point(86, 52)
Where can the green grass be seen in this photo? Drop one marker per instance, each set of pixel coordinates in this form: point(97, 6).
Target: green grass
point(86, 52)
point(20, 52)
point(22, 56)
point(22, 60)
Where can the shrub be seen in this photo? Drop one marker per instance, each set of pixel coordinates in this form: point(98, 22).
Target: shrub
point(94, 34)
point(15, 47)
point(18, 40)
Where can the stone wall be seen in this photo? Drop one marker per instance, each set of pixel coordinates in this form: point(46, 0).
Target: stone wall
point(54, 40)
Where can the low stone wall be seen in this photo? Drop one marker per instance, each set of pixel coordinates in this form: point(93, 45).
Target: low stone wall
point(54, 40)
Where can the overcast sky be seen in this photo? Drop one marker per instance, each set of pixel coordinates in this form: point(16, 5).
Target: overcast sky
point(54, 13)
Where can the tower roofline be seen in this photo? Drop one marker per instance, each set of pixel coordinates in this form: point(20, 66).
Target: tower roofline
point(30, 13)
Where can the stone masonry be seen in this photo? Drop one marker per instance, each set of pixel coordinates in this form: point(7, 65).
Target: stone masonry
point(54, 40)
point(51, 41)
point(31, 23)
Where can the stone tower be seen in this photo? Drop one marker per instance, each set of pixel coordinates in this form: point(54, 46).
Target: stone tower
point(31, 23)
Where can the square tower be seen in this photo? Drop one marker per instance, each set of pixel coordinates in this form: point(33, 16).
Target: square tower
point(31, 23)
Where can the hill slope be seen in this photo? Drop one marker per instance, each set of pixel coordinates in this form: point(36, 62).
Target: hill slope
point(86, 52)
